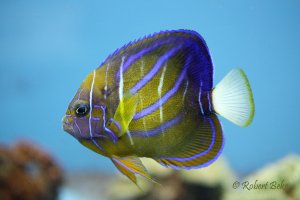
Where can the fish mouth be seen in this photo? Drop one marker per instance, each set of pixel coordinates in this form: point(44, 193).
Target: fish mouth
point(67, 125)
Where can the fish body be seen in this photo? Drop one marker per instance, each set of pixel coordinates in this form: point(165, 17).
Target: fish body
point(154, 98)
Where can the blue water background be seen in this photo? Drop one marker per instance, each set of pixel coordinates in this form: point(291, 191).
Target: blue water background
point(48, 47)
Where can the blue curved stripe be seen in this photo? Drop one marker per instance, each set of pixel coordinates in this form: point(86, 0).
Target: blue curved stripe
point(97, 145)
point(80, 133)
point(111, 133)
point(201, 165)
point(201, 153)
point(159, 63)
point(116, 123)
point(196, 166)
point(159, 129)
point(163, 100)
point(137, 56)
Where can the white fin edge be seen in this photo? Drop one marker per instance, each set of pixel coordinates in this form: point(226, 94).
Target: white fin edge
point(232, 98)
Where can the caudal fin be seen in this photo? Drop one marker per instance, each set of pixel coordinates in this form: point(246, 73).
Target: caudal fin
point(232, 98)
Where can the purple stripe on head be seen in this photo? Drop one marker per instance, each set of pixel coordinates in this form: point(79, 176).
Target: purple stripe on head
point(73, 117)
point(159, 63)
point(79, 94)
point(116, 123)
point(159, 129)
point(163, 100)
point(80, 133)
point(100, 136)
point(97, 106)
point(97, 145)
point(201, 153)
point(111, 133)
point(78, 98)
point(95, 118)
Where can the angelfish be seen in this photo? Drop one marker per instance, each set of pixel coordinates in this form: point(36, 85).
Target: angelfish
point(154, 97)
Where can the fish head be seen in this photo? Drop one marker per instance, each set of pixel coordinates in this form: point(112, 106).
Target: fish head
point(85, 115)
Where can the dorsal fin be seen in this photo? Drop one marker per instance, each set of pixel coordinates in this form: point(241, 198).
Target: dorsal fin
point(191, 43)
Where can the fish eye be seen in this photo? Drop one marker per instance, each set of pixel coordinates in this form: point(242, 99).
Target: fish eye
point(82, 109)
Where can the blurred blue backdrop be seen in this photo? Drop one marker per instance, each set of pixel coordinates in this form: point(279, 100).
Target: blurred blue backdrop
point(48, 47)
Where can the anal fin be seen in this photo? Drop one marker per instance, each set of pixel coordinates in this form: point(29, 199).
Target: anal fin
point(130, 166)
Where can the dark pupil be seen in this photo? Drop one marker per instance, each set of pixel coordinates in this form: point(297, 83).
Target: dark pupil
point(81, 110)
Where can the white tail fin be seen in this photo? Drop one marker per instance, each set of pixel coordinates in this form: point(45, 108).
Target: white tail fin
point(232, 98)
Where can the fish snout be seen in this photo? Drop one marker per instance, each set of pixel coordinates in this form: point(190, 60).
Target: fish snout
point(67, 124)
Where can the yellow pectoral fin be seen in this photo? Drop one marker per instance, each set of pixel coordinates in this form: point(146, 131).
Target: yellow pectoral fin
point(130, 166)
point(125, 113)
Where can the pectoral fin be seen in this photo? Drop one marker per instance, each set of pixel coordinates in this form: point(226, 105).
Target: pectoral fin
point(124, 114)
point(130, 166)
